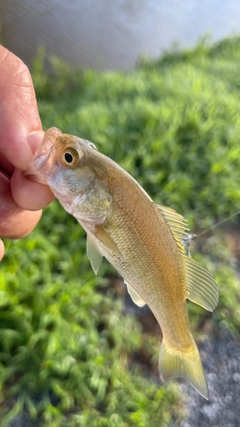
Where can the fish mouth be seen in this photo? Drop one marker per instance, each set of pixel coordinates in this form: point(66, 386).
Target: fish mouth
point(43, 160)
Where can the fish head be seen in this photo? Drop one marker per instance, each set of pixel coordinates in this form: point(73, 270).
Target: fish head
point(65, 163)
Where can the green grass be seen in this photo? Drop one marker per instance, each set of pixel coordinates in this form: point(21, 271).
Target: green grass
point(66, 344)
point(68, 347)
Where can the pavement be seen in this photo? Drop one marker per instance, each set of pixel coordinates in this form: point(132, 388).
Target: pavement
point(221, 360)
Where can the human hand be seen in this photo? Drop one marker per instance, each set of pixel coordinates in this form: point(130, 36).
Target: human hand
point(21, 199)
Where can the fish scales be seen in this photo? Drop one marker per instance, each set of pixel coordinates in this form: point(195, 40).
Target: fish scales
point(142, 240)
point(144, 269)
point(147, 262)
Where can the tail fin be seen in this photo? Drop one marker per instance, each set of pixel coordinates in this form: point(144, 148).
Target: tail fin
point(185, 364)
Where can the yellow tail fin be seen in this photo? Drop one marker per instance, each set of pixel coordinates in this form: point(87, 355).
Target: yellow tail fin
point(186, 364)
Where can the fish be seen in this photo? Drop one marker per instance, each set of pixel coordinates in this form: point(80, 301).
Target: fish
point(144, 241)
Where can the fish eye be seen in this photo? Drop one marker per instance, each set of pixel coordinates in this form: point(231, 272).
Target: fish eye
point(70, 157)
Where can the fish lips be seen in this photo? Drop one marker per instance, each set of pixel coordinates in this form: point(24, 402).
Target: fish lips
point(40, 166)
point(43, 159)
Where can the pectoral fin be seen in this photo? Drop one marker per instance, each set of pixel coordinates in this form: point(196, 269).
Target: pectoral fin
point(93, 254)
point(137, 299)
point(106, 239)
point(201, 286)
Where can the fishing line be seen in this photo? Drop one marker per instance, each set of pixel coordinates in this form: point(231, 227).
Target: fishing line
point(216, 225)
point(188, 237)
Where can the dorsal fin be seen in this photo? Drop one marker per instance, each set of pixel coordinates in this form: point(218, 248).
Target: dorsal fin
point(177, 224)
point(201, 286)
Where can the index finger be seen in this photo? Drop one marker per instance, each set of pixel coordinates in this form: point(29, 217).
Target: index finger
point(18, 111)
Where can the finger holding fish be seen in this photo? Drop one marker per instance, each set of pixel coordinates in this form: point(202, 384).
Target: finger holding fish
point(145, 242)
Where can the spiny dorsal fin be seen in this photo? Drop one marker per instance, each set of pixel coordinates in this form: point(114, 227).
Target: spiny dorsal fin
point(177, 224)
point(137, 299)
point(93, 254)
point(201, 286)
